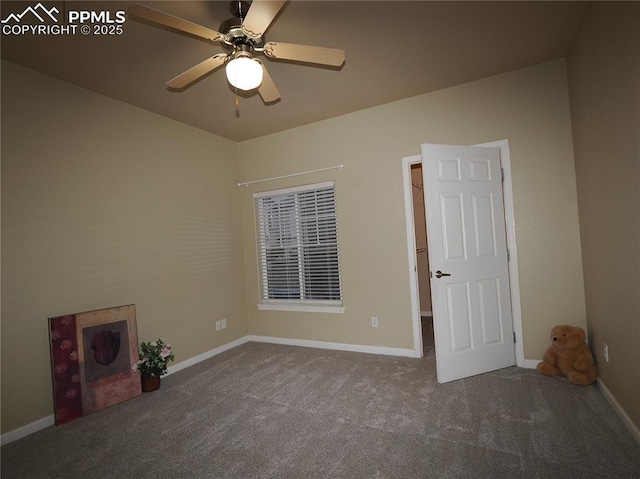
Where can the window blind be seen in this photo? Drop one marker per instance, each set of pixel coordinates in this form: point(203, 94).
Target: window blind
point(298, 245)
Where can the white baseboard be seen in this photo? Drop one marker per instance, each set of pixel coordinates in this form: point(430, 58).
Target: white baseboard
point(531, 363)
point(633, 429)
point(25, 431)
point(48, 421)
point(356, 348)
point(206, 355)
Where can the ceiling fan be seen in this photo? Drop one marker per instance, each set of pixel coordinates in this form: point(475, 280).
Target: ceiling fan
point(242, 37)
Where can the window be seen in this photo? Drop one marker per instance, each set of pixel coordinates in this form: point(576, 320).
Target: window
point(298, 249)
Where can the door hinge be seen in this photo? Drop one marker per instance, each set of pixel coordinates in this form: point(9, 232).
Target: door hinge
point(508, 255)
point(502, 174)
point(514, 337)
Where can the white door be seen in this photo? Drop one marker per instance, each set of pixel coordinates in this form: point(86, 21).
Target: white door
point(467, 245)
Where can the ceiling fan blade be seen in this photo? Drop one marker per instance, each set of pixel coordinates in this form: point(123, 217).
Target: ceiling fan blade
point(304, 53)
point(260, 15)
point(268, 90)
point(191, 75)
point(142, 12)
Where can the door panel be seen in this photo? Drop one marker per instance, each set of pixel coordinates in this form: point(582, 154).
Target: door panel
point(453, 232)
point(490, 316)
point(484, 226)
point(467, 248)
point(458, 312)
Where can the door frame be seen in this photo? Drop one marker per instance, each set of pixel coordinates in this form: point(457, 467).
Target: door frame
point(514, 281)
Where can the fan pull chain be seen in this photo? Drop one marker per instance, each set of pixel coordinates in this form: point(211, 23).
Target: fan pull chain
point(237, 102)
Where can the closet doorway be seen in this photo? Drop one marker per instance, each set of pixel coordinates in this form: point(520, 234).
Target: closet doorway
point(422, 260)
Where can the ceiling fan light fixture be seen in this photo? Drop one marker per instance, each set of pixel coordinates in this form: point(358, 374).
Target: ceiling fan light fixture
point(239, 37)
point(244, 73)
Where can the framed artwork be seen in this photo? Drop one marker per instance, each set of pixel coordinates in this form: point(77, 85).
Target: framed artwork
point(93, 355)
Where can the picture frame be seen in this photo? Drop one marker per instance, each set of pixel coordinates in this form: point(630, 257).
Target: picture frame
point(93, 359)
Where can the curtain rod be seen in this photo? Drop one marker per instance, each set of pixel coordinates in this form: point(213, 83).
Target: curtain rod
point(247, 183)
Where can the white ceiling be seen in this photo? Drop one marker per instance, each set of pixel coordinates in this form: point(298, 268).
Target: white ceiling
point(394, 50)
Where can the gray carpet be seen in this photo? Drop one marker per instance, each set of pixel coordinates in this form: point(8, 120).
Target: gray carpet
point(271, 411)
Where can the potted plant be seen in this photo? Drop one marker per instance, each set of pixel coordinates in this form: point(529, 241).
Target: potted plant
point(153, 359)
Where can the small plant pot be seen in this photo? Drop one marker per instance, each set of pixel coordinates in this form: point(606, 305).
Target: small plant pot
point(150, 383)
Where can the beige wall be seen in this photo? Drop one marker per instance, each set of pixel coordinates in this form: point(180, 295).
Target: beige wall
point(104, 204)
point(604, 74)
point(529, 107)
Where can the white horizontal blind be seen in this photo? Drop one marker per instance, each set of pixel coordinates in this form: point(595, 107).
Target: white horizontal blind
point(298, 238)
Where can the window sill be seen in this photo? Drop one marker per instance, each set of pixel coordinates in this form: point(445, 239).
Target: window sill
point(305, 308)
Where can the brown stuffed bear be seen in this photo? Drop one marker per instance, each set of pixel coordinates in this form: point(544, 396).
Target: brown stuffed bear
point(569, 356)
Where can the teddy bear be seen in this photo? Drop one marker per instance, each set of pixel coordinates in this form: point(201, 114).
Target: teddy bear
point(569, 356)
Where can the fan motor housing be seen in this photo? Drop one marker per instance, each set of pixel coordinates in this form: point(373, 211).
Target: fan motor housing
point(232, 29)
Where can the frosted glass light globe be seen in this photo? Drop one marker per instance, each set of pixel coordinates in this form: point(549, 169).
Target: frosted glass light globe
point(244, 73)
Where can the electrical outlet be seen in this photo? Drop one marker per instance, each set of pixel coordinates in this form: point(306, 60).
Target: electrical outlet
point(218, 325)
point(606, 351)
point(374, 321)
point(224, 323)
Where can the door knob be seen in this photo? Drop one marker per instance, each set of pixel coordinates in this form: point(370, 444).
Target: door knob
point(440, 274)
